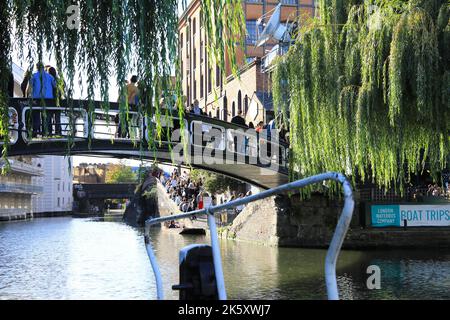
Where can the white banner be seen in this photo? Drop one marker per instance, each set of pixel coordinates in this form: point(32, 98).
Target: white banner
point(415, 215)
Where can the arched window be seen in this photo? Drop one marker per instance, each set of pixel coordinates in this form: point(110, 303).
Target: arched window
point(233, 109)
point(239, 101)
point(245, 104)
point(218, 113)
point(225, 109)
point(210, 115)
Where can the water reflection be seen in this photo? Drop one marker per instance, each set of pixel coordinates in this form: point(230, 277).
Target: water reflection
point(63, 258)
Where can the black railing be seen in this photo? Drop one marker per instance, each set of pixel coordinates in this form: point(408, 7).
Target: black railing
point(41, 121)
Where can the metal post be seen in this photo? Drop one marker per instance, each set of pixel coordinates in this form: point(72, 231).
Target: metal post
point(338, 239)
point(156, 271)
point(216, 256)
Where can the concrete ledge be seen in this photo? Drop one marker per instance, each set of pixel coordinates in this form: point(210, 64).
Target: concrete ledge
point(15, 217)
point(398, 238)
point(53, 214)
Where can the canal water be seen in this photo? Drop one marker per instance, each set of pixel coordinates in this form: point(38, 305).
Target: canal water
point(64, 258)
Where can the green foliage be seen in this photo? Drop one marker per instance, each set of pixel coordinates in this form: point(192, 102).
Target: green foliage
point(119, 35)
point(368, 90)
point(215, 183)
point(120, 173)
point(5, 45)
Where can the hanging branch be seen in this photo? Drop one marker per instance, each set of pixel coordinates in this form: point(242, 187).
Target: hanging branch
point(374, 103)
point(118, 35)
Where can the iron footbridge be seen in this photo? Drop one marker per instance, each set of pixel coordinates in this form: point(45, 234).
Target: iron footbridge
point(40, 127)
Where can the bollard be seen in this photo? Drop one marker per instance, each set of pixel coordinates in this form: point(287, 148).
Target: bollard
point(197, 276)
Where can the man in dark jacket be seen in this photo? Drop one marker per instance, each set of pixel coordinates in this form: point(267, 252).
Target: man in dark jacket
point(239, 119)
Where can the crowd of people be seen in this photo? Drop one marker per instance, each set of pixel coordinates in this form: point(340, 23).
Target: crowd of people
point(190, 195)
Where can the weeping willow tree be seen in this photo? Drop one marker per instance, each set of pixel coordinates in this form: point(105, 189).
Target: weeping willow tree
point(367, 88)
point(119, 35)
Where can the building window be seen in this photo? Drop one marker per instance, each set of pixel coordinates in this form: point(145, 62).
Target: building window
point(225, 109)
point(194, 27)
point(59, 186)
point(217, 76)
point(201, 52)
point(253, 31)
point(233, 109)
point(182, 68)
point(195, 58)
point(291, 2)
point(209, 80)
point(59, 203)
point(187, 40)
point(246, 104)
point(195, 90)
point(201, 85)
point(239, 101)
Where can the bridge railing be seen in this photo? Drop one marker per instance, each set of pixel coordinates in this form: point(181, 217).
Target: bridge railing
point(168, 127)
point(201, 131)
point(43, 131)
point(108, 126)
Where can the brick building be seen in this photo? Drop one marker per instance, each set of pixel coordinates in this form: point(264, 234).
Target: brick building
point(90, 173)
point(202, 80)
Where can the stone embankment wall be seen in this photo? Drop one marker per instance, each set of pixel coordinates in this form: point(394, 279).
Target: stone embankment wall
point(256, 223)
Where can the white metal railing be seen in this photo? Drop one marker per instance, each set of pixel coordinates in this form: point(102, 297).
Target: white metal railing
point(208, 130)
point(107, 130)
point(332, 253)
point(242, 142)
point(103, 126)
point(80, 122)
point(20, 188)
point(166, 125)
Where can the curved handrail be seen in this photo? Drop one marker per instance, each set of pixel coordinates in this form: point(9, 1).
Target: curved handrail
point(332, 253)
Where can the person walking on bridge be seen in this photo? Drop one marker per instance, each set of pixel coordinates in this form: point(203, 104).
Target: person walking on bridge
point(54, 116)
point(40, 86)
point(239, 120)
point(133, 91)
